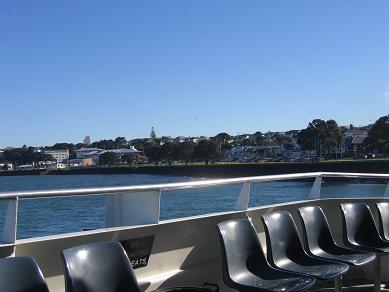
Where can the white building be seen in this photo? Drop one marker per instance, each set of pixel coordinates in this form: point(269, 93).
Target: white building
point(87, 152)
point(58, 155)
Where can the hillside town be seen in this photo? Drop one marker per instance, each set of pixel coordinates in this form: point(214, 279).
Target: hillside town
point(321, 140)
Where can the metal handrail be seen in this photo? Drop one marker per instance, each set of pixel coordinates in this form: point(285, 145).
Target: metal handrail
point(181, 185)
point(143, 201)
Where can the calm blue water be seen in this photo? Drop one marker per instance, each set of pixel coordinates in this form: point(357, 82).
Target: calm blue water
point(40, 217)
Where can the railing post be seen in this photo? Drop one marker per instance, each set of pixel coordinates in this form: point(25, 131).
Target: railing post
point(314, 194)
point(132, 208)
point(10, 222)
point(243, 200)
point(386, 193)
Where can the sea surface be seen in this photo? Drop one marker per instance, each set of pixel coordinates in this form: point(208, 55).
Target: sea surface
point(39, 217)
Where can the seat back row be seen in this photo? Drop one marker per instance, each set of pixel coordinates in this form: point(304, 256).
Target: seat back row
point(244, 264)
point(323, 258)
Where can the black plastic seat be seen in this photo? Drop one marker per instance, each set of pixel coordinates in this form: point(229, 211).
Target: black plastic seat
point(383, 216)
point(104, 267)
point(321, 243)
point(98, 267)
point(244, 264)
point(21, 274)
point(360, 231)
point(286, 251)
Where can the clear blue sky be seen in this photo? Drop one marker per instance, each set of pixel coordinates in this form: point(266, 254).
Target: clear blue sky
point(70, 68)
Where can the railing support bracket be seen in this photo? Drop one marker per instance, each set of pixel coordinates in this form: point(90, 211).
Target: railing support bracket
point(314, 194)
point(11, 221)
point(132, 208)
point(386, 193)
point(243, 200)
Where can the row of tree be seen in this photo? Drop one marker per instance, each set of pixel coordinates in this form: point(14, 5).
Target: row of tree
point(187, 151)
point(24, 155)
point(322, 136)
point(205, 150)
point(325, 136)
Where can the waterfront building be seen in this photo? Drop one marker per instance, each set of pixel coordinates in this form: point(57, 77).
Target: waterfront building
point(58, 155)
point(354, 138)
point(91, 156)
point(87, 152)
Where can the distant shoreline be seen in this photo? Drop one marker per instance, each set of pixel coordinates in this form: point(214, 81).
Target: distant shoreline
point(223, 170)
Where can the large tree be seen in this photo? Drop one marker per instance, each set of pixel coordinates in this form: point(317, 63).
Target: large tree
point(104, 144)
point(153, 135)
point(333, 136)
point(153, 152)
point(25, 155)
point(206, 150)
point(259, 138)
point(248, 142)
point(185, 151)
point(109, 158)
point(221, 139)
point(140, 143)
point(168, 151)
point(128, 158)
point(120, 142)
point(321, 136)
point(14, 156)
point(378, 139)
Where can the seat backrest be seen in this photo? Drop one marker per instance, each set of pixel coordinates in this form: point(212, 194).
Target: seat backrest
point(241, 248)
point(383, 216)
point(358, 223)
point(316, 230)
point(98, 267)
point(282, 239)
point(21, 274)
